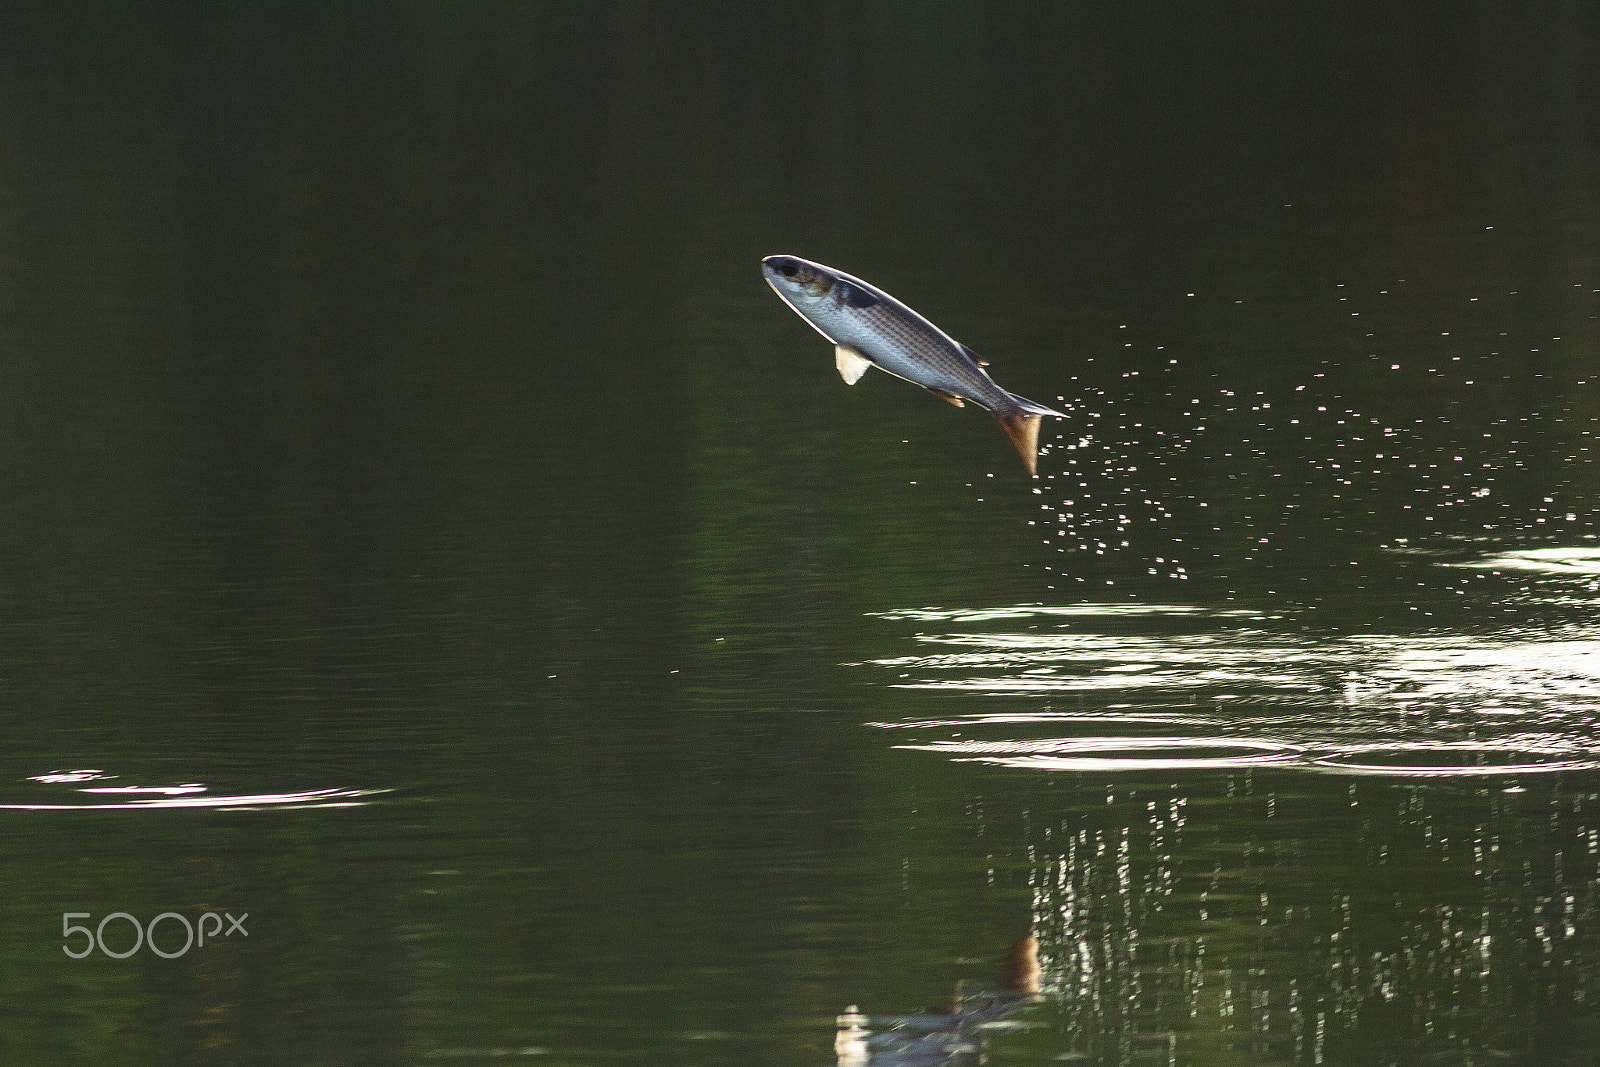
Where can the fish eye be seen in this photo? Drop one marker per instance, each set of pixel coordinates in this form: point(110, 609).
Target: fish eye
point(787, 268)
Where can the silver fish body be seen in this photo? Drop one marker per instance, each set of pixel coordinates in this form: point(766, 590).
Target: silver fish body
point(868, 327)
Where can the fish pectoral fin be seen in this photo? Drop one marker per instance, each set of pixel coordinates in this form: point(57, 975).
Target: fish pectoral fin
point(852, 364)
point(951, 397)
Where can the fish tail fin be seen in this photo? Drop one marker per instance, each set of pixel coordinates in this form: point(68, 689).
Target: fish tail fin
point(1023, 429)
point(1021, 424)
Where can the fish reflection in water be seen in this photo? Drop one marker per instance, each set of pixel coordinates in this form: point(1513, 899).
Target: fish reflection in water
point(954, 1036)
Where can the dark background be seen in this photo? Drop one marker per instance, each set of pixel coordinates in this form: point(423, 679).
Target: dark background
point(392, 402)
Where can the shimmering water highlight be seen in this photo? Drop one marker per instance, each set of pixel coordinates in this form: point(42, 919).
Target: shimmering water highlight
point(1253, 690)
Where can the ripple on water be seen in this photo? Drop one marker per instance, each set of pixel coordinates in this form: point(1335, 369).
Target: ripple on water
point(186, 795)
point(1230, 690)
point(1577, 562)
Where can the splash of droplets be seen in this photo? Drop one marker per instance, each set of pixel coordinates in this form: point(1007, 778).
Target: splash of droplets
point(1168, 469)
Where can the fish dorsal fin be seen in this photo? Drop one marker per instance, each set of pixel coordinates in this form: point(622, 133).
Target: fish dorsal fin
point(950, 397)
point(972, 355)
point(855, 296)
point(852, 364)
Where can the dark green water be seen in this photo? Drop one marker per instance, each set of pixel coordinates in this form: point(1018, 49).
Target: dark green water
point(413, 494)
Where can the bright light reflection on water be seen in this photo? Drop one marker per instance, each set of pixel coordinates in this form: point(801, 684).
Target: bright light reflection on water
point(1572, 561)
point(186, 795)
point(1184, 689)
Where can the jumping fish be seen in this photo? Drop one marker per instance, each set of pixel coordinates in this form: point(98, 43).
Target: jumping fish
point(869, 328)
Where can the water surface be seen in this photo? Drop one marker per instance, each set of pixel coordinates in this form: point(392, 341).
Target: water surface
point(427, 536)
